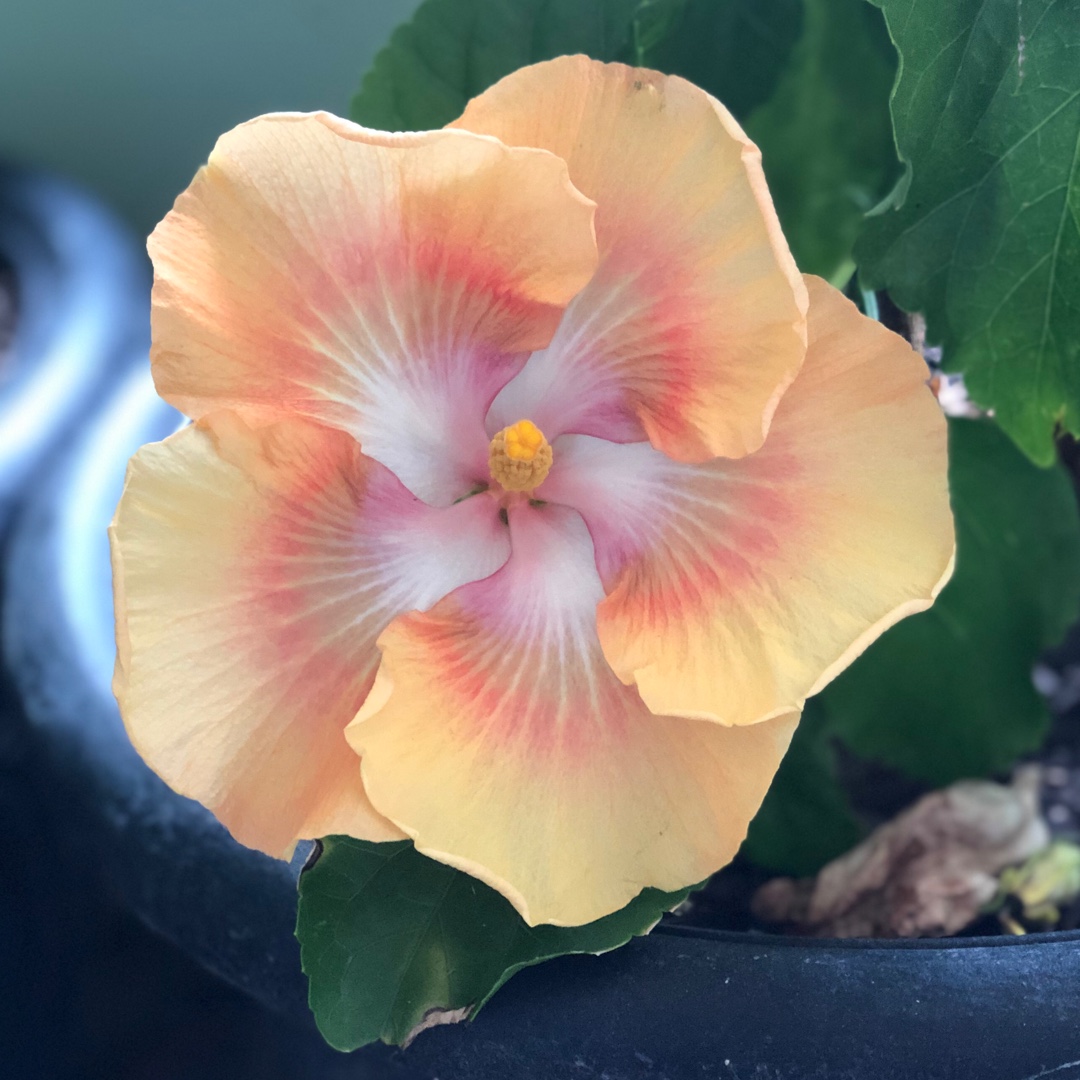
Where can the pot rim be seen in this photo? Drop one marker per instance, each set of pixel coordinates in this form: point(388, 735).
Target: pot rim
point(935, 944)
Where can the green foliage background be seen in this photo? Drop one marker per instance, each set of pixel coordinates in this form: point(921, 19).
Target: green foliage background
point(983, 232)
point(932, 147)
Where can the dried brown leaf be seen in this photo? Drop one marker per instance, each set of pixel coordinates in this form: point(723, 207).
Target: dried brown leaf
point(927, 873)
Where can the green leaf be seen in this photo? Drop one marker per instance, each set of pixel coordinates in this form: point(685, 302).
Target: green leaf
point(734, 49)
point(825, 136)
point(454, 49)
point(805, 820)
point(985, 236)
point(653, 22)
point(948, 693)
point(388, 935)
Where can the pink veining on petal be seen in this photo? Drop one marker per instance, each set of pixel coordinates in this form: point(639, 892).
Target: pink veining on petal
point(380, 551)
point(715, 532)
point(386, 285)
point(568, 794)
point(430, 378)
point(695, 321)
point(256, 568)
point(638, 314)
point(739, 587)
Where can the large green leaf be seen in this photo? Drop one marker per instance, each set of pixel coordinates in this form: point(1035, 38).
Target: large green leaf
point(454, 49)
point(825, 136)
point(735, 49)
point(805, 820)
point(948, 693)
point(388, 936)
point(985, 236)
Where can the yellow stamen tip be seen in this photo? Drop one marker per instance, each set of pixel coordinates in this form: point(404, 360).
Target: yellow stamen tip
point(520, 457)
point(523, 440)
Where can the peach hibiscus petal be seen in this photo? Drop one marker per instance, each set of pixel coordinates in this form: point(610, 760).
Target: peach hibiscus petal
point(497, 736)
point(387, 285)
point(254, 571)
point(736, 589)
point(695, 320)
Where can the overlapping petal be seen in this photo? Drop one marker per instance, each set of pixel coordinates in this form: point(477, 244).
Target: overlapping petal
point(254, 570)
point(497, 736)
point(738, 588)
point(384, 284)
point(695, 321)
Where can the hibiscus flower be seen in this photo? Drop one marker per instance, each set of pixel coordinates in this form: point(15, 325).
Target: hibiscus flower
point(531, 489)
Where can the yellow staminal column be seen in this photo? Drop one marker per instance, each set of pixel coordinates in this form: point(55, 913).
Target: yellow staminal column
point(520, 457)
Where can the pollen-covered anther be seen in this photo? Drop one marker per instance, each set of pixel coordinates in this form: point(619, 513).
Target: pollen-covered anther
point(520, 457)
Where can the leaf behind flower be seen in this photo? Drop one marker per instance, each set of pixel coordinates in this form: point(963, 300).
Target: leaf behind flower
point(392, 941)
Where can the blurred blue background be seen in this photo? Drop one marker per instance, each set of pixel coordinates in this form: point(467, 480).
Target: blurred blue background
point(128, 96)
point(126, 99)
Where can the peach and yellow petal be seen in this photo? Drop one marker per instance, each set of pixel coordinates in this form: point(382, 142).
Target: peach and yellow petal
point(736, 589)
point(254, 570)
point(499, 739)
point(695, 321)
point(387, 285)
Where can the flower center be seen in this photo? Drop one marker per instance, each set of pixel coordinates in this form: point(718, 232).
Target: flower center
point(520, 457)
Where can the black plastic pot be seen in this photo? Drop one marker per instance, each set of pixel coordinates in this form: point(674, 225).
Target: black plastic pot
point(679, 1004)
